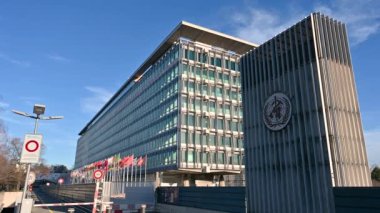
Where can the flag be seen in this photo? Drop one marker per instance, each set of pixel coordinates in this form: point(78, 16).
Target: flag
point(116, 158)
point(110, 161)
point(140, 161)
point(105, 164)
point(129, 161)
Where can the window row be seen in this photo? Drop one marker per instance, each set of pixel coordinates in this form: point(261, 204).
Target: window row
point(211, 158)
point(220, 77)
point(219, 108)
point(162, 159)
point(211, 123)
point(206, 58)
point(213, 91)
point(197, 138)
point(158, 143)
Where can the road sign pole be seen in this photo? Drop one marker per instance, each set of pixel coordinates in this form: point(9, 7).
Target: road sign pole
point(28, 169)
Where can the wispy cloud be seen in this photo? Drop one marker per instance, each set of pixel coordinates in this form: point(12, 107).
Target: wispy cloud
point(372, 139)
point(258, 24)
point(362, 17)
point(14, 61)
point(98, 97)
point(58, 58)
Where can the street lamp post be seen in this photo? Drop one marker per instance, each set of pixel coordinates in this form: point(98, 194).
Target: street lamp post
point(39, 110)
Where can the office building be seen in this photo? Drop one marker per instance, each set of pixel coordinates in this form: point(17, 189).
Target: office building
point(182, 108)
point(302, 127)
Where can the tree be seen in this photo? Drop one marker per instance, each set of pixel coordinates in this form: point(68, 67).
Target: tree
point(59, 169)
point(41, 169)
point(12, 173)
point(375, 173)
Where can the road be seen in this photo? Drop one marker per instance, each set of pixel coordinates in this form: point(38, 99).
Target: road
point(43, 198)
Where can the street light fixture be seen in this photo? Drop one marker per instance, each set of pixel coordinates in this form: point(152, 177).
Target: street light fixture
point(38, 109)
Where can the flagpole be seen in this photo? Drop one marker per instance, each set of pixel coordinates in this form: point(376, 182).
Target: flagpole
point(127, 174)
point(136, 175)
point(140, 177)
point(122, 184)
point(132, 170)
point(146, 162)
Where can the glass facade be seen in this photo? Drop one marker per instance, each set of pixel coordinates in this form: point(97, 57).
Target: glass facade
point(142, 120)
point(211, 114)
point(183, 112)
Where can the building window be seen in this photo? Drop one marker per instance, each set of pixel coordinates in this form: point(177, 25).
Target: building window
point(190, 156)
point(220, 77)
point(219, 92)
point(184, 102)
point(226, 79)
point(212, 75)
point(233, 65)
point(212, 123)
point(218, 62)
point(220, 158)
point(183, 137)
point(198, 72)
point(191, 86)
point(212, 140)
point(212, 60)
point(226, 64)
point(204, 122)
point(191, 120)
point(197, 104)
point(212, 107)
point(220, 124)
point(197, 139)
point(190, 54)
point(205, 75)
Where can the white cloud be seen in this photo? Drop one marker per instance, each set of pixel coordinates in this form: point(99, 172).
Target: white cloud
point(372, 139)
point(362, 17)
point(93, 103)
point(259, 24)
point(58, 58)
point(11, 60)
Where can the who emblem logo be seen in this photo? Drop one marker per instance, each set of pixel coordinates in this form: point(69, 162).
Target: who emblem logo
point(277, 111)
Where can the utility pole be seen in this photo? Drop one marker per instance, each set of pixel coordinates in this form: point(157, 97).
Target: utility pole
point(39, 110)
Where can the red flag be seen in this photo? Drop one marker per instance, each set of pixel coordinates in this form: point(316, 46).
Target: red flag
point(140, 161)
point(105, 164)
point(129, 161)
point(123, 161)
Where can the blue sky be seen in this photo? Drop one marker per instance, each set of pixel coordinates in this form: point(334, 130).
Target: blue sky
point(73, 55)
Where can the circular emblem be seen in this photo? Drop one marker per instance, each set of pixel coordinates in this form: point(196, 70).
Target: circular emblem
point(277, 111)
point(98, 174)
point(31, 146)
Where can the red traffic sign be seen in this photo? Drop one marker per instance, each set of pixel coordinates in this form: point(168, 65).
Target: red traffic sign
point(98, 174)
point(32, 146)
point(31, 149)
